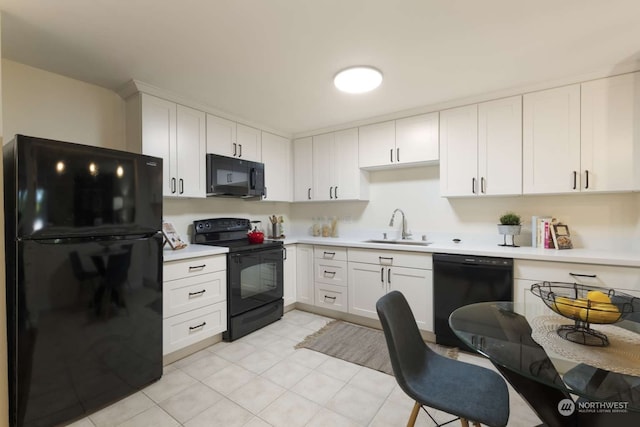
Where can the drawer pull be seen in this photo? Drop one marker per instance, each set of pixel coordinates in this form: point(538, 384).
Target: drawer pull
point(197, 267)
point(331, 254)
point(193, 294)
point(382, 275)
point(326, 297)
point(201, 325)
point(332, 273)
point(583, 275)
point(387, 258)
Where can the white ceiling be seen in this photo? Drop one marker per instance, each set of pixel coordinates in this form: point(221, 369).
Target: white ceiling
point(272, 61)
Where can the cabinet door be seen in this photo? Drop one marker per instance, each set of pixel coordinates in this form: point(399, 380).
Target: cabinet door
point(190, 158)
point(500, 146)
point(459, 151)
point(276, 152)
point(249, 143)
point(551, 141)
point(417, 139)
point(377, 144)
point(367, 283)
point(323, 164)
point(159, 138)
point(304, 274)
point(289, 274)
point(303, 170)
point(610, 133)
point(347, 176)
point(417, 287)
point(221, 136)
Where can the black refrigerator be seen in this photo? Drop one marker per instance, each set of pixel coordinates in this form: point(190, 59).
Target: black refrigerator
point(84, 277)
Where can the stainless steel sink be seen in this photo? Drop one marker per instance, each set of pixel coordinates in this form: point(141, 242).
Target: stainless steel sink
point(399, 242)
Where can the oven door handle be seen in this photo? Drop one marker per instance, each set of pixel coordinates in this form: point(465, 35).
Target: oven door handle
point(284, 253)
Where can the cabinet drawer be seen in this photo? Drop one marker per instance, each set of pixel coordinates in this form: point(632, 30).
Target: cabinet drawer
point(392, 258)
point(332, 272)
point(182, 295)
point(193, 267)
point(587, 274)
point(331, 296)
point(193, 326)
point(330, 252)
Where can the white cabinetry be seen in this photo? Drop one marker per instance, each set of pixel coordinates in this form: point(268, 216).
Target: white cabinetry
point(610, 134)
point(176, 134)
point(276, 156)
point(481, 149)
point(403, 142)
point(228, 138)
point(551, 141)
point(303, 169)
point(304, 274)
point(330, 283)
point(526, 273)
point(336, 175)
point(289, 274)
point(194, 301)
point(371, 274)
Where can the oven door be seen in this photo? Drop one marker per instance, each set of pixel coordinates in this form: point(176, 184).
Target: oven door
point(255, 279)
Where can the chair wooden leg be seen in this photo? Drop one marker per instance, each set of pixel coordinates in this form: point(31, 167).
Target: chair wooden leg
point(464, 422)
point(414, 415)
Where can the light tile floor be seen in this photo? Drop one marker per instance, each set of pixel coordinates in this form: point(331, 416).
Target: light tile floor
point(261, 380)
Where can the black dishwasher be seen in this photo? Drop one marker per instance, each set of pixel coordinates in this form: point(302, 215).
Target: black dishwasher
point(460, 280)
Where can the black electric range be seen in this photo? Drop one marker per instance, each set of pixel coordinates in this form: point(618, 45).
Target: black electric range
point(254, 274)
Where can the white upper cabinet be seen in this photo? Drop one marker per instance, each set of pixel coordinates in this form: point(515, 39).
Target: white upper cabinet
point(249, 143)
point(336, 175)
point(551, 141)
point(276, 156)
point(303, 169)
point(377, 144)
point(481, 149)
point(228, 138)
point(190, 157)
point(459, 151)
point(403, 142)
point(417, 139)
point(500, 147)
point(221, 136)
point(610, 134)
point(175, 133)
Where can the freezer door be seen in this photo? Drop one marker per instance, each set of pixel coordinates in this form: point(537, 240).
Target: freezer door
point(65, 190)
point(85, 322)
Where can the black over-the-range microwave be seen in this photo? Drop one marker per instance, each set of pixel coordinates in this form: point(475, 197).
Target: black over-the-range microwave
point(233, 177)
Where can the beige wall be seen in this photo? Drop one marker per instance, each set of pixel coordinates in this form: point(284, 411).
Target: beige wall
point(4, 399)
point(48, 105)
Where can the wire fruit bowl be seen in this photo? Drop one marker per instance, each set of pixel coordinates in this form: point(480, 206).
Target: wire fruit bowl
point(585, 305)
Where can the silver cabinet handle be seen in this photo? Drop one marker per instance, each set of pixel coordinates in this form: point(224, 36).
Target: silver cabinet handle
point(593, 276)
point(330, 254)
point(575, 176)
point(173, 185)
point(332, 273)
point(309, 193)
point(240, 155)
point(197, 267)
point(482, 185)
point(333, 299)
point(391, 155)
point(235, 149)
point(389, 276)
point(181, 186)
point(586, 184)
point(397, 154)
point(201, 325)
point(335, 192)
point(199, 293)
point(382, 275)
point(331, 192)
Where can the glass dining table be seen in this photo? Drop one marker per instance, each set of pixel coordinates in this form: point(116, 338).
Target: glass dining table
point(558, 379)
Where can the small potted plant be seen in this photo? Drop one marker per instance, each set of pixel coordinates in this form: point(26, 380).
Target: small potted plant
point(509, 226)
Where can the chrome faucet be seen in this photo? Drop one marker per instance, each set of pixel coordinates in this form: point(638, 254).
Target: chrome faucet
point(405, 234)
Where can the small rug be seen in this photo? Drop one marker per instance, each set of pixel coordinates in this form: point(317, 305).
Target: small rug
point(359, 344)
point(620, 356)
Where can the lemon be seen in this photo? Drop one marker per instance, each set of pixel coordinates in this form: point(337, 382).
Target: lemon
point(598, 296)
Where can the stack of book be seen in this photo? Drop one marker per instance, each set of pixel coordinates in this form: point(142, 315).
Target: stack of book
point(547, 233)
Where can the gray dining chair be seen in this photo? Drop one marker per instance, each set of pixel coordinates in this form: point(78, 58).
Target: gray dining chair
point(467, 391)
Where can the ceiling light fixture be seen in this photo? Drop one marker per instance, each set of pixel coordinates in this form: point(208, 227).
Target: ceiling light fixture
point(358, 79)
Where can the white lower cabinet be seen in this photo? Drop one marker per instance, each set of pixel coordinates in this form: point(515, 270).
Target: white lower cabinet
point(527, 273)
point(333, 297)
point(194, 301)
point(289, 274)
point(304, 274)
point(330, 277)
point(372, 274)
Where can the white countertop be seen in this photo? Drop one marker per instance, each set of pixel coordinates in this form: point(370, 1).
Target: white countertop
point(584, 256)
